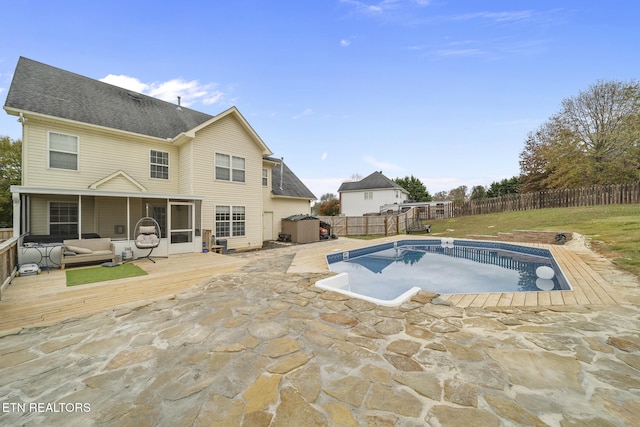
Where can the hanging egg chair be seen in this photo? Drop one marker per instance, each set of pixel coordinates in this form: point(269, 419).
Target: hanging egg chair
point(148, 234)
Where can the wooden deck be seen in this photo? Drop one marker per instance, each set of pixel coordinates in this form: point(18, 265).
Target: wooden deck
point(42, 300)
point(588, 287)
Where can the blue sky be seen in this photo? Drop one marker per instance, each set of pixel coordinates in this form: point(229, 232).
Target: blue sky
point(443, 90)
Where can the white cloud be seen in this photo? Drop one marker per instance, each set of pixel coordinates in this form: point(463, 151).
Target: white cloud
point(307, 112)
point(384, 166)
point(126, 82)
point(324, 156)
point(460, 52)
point(189, 91)
point(344, 42)
point(497, 16)
point(376, 8)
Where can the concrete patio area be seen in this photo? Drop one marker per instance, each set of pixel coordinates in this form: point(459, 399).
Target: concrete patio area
point(246, 339)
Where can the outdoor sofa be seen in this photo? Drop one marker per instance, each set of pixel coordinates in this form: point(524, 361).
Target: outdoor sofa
point(76, 251)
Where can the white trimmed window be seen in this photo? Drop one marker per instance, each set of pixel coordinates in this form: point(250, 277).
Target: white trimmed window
point(265, 177)
point(63, 151)
point(159, 164)
point(230, 221)
point(63, 218)
point(368, 195)
point(229, 168)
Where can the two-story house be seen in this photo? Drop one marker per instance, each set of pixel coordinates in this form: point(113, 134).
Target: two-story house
point(97, 158)
point(369, 194)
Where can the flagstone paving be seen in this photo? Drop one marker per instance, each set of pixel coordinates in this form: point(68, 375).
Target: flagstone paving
point(264, 347)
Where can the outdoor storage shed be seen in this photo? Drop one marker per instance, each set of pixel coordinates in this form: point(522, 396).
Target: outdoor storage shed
point(302, 228)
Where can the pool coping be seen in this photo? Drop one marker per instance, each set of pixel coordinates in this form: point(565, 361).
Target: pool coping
point(588, 287)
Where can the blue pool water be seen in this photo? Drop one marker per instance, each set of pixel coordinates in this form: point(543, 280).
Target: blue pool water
point(446, 266)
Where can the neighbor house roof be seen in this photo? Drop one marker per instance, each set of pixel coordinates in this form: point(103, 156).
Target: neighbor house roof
point(375, 181)
point(291, 184)
point(43, 89)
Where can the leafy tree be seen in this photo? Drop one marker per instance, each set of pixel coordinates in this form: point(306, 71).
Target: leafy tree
point(441, 196)
point(478, 192)
point(458, 194)
point(10, 172)
point(504, 187)
point(329, 208)
point(417, 190)
point(327, 197)
point(593, 140)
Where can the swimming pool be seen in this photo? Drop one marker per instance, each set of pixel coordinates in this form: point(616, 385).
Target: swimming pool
point(390, 273)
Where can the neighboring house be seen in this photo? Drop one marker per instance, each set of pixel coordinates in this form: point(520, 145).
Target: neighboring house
point(97, 158)
point(369, 195)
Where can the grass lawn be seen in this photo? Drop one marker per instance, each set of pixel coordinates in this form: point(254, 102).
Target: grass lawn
point(83, 276)
point(613, 231)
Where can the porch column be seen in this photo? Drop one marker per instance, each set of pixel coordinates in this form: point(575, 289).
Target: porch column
point(17, 214)
point(79, 216)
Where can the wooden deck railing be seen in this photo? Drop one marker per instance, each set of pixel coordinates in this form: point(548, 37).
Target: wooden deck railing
point(8, 262)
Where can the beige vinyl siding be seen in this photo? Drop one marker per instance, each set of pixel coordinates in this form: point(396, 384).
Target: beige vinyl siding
point(283, 207)
point(227, 136)
point(99, 154)
point(185, 168)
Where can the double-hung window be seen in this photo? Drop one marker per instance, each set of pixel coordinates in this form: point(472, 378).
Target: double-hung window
point(159, 164)
point(229, 168)
point(63, 218)
point(63, 151)
point(265, 177)
point(230, 221)
point(368, 195)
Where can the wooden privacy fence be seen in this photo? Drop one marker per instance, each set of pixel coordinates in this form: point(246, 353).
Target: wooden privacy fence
point(396, 224)
point(566, 198)
point(374, 225)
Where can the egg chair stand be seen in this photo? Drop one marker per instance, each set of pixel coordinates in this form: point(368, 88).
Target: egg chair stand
point(148, 235)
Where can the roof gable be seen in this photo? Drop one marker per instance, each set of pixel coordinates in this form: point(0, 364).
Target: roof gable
point(118, 181)
point(233, 112)
point(375, 181)
point(47, 90)
point(291, 184)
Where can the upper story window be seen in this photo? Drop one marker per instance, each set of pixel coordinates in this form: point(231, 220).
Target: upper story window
point(159, 164)
point(265, 177)
point(368, 195)
point(229, 168)
point(63, 151)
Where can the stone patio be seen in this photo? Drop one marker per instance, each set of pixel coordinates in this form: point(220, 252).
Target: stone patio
point(263, 347)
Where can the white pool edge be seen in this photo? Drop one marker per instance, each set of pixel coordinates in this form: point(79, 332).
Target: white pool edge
point(340, 280)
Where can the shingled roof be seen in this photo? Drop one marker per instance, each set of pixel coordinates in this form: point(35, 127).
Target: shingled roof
point(291, 185)
point(43, 89)
point(375, 181)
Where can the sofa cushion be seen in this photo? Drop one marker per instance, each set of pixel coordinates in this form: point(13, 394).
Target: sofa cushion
point(102, 253)
point(78, 249)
